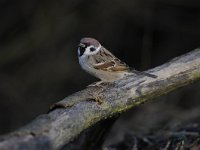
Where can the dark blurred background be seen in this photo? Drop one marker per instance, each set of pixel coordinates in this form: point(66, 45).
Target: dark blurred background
point(38, 53)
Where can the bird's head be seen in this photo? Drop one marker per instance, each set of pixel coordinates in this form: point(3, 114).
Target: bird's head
point(88, 46)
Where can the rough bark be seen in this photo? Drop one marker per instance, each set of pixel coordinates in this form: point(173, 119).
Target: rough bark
point(80, 110)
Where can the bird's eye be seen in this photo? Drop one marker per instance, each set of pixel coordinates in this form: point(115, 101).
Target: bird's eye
point(92, 49)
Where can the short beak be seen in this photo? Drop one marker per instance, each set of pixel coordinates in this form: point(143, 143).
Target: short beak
point(81, 45)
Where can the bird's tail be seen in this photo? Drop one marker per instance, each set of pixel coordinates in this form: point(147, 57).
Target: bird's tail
point(144, 73)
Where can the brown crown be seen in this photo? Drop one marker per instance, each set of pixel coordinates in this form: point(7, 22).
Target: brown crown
point(90, 41)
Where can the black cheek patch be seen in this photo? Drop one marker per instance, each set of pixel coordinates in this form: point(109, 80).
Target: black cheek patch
point(92, 49)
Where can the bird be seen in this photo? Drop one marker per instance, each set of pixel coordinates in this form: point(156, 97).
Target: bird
point(101, 63)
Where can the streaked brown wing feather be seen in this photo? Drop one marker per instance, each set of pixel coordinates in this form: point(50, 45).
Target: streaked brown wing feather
point(120, 66)
point(112, 66)
point(109, 62)
point(104, 66)
point(106, 61)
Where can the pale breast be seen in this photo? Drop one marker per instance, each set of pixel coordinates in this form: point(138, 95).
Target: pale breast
point(87, 62)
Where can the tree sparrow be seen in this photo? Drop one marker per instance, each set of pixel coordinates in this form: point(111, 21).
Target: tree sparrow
point(99, 62)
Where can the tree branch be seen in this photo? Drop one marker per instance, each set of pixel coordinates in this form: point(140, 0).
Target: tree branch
point(62, 125)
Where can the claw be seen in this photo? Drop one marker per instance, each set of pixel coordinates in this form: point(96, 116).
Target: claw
point(97, 84)
point(98, 100)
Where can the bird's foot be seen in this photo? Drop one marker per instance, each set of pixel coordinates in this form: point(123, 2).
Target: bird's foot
point(100, 84)
point(97, 99)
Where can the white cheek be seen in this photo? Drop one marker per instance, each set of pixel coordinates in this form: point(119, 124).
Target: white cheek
point(88, 52)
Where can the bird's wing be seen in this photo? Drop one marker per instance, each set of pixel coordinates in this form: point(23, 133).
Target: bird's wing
point(108, 62)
